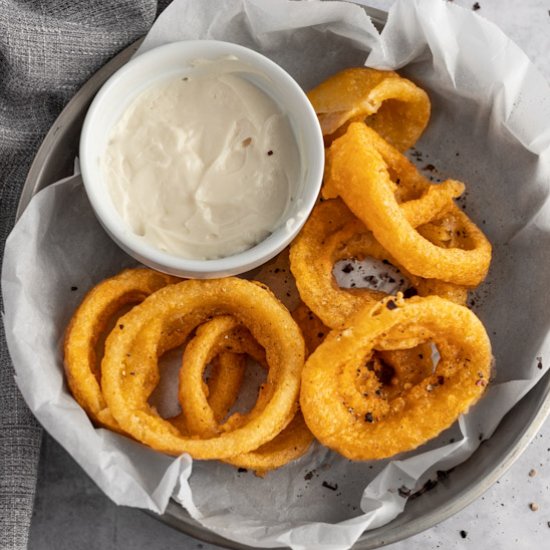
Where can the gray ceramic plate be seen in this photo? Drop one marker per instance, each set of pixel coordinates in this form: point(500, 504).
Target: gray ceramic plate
point(467, 482)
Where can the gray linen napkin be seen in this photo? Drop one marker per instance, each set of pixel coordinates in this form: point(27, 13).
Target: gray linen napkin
point(48, 49)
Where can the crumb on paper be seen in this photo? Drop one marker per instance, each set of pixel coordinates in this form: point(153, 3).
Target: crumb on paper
point(404, 491)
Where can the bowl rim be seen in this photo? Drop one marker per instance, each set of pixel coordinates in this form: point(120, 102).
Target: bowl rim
point(309, 139)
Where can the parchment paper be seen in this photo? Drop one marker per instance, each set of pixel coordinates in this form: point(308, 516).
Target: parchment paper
point(490, 128)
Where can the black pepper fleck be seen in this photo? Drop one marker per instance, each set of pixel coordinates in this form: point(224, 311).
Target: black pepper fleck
point(348, 268)
point(390, 304)
point(476, 6)
point(120, 327)
point(329, 486)
point(269, 153)
point(242, 470)
point(369, 418)
point(463, 534)
point(73, 288)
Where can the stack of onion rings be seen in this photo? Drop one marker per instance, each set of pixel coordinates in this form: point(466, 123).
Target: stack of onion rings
point(130, 364)
point(369, 388)
point(332, 233)
point(224, 333)
point(222, 341)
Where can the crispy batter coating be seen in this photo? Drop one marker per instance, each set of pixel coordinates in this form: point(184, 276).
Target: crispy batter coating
point(130, 368)
point(360, 171)
point(333, 233)
point(392, 105)
point(89, 322)
point(226, 334)
point(347, 405)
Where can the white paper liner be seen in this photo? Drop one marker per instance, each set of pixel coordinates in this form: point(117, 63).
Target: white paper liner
point(490, 128)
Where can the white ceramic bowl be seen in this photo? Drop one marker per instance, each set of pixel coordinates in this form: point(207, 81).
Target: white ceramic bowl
point(172, 60)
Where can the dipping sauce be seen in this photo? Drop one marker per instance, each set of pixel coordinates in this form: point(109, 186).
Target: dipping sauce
point(203, 166)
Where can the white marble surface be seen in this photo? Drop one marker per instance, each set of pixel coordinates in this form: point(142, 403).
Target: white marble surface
point(71, 513)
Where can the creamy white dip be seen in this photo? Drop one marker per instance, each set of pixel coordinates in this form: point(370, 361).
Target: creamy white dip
point(202, 166)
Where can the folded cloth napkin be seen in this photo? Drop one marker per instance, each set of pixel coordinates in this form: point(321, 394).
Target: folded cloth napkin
point(48, 49)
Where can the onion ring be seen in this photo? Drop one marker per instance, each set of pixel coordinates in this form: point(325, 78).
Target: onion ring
point(332, 233)
point(130, 369)
point(292, 443)
point(89, 322)
point(223, 333)
point(393, 106)
point(367, 427)
point(360, 174)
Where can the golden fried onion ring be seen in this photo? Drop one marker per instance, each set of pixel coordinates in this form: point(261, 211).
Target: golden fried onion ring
point(89, 322)
point(333, 233)
point(360, 172)
point(225, 333)
point(341, 398)
point(292, 443)
point(221, 334)
point(393, 106)
point(130, 369)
